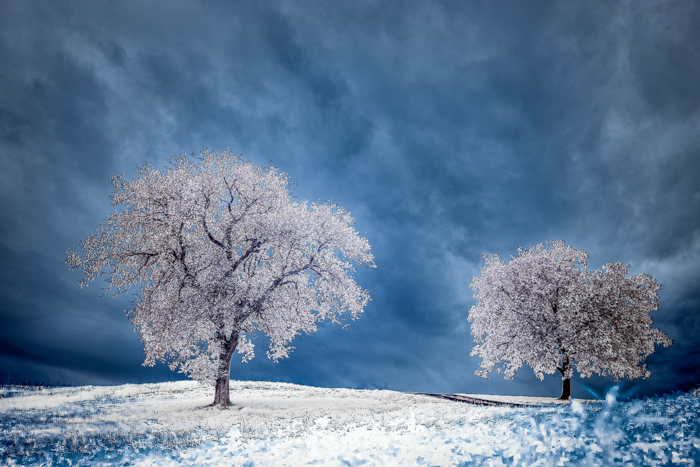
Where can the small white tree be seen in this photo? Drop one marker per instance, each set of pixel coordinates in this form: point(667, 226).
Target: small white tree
point(217, 249)
point(544, 309)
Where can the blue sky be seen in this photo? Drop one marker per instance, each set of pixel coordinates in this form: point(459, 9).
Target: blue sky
point(448, 129)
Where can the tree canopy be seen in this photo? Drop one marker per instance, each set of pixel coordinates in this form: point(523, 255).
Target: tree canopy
point(544, 309)
point(218, 249)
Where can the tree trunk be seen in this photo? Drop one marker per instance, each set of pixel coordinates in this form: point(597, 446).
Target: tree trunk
point(565, 389)
point(222, 397)
point(565, 377)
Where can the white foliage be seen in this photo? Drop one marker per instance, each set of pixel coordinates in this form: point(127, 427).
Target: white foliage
point(544, 309)
point(218, 248)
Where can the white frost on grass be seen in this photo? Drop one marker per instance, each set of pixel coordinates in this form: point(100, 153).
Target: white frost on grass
point(176, 414)
point(166, 424)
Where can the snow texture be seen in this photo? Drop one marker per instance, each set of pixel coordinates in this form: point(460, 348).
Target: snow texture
point(165, 424)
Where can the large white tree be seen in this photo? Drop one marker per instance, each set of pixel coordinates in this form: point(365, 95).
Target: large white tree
point(544, 309)
point(217, 248)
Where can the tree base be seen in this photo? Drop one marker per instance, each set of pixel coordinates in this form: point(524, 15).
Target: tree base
point(565, 390)
point(222, 397)
point(217, 406)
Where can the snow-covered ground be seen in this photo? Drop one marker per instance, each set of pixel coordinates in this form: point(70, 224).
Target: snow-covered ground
point(522, 400)
point(285, 424)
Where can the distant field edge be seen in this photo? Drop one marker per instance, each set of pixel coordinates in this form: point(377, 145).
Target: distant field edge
point(507, 401)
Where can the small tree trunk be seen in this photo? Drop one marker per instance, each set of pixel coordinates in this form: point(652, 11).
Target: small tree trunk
point(565, 378)
point(565, 389)
point(222, 395)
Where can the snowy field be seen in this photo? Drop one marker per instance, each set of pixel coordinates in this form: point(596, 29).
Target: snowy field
point(167, 424)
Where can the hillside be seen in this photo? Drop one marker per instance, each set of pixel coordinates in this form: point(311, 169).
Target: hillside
point(287, 424)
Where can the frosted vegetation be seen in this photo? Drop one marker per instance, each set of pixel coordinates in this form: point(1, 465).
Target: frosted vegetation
point(543, 308)
point(286, 424)
point(214, 250)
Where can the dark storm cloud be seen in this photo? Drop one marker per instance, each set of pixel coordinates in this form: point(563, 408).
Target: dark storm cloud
point(449, 129)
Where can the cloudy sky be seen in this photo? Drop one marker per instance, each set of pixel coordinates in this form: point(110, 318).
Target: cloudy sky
point(448, 129)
